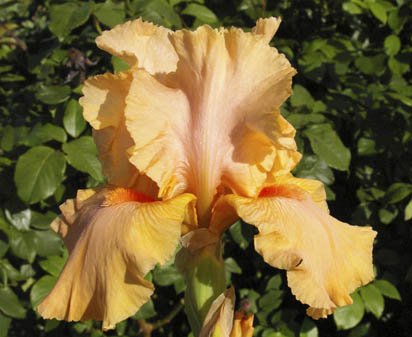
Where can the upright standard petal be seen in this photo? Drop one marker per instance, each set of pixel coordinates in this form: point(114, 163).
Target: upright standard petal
point(325, 258)
point(267, 27)
point(103, 107)
point(201, 119)
point(140, 43)
point(114, 239)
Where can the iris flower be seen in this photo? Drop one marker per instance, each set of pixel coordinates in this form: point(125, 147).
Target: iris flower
point(191, 137)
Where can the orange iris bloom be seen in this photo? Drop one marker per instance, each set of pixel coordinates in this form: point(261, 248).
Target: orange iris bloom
point(191, 137)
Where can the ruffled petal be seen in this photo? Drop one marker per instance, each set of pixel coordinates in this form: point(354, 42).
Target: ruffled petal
point(325, 258)
point(315, 188)
point(267, 27)
point(227, 87)
point(140, 43)
point(114, 239)
point(103, 107)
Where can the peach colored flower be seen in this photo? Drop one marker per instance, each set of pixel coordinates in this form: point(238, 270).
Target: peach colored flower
point(191, 137)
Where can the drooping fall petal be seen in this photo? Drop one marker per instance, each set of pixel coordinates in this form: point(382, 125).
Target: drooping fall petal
point(325, 258)
point(114, 238)
point(140, 43)
point(201, 120)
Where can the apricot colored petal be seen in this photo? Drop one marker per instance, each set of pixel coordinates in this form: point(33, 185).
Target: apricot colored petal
point(140, 43)
point(103, 107)
point(325, 258)
point(267, 27)
point(315, 188)
point(225, 89)
point(68, 209)
point(111, 250)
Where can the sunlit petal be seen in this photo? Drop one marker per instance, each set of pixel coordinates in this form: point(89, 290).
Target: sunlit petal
point(117, 236)
point(140, 43)
point(103, 107)
point(267, 27)
point(227, 87)
point(315, 188)
point(326, 259)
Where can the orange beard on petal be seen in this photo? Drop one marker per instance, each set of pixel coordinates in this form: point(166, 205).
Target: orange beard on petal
point(121, 195)
point(288, 191)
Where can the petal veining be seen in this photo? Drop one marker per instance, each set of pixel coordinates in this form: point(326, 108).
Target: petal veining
point(142, 43)
point(226, 90)
point(325, 258)
point(111, 248)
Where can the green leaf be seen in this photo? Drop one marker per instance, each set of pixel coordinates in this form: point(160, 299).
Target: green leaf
point(4, 325)
point(53, 265)
point(3, 248)
point(48, 242)
point(379, 11)
point(408, 211)
point(232, 266)
point(328, 146)
point(312, 167)
point(42, 221)
point(38, 173)
point(10, 305)
point(166, 275)
point(54, 94)
point(360, 330)
point(82, 155)
point(300, 120)
point(41, 288)
point(7, 271)
point(387, 289)
point(200, 12)
point(8, 138)
point(349, 316)
point(373, 300)
point(110, 13)
point(73, 120)
point(366, 147)
point(23, 245)
point(397, 67)
point(271, 300)
point(160, 12)
point(68, 16)
point(274, 282)
point(301, 97)
point(43, 133)
point(21, 220)
point(308, 329)
point(397, 192)
point(146, 311)
point(241, 233)
point(119, 65)
point(386, 216)
point(371, 65)
point(396, 21)
point(392, 45)
point(351, 8)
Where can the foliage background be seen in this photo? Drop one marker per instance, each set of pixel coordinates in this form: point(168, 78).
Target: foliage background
point(352, 107)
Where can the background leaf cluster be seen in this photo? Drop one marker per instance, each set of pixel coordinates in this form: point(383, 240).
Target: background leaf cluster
point(351, 105)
